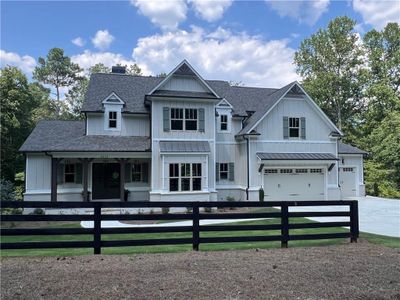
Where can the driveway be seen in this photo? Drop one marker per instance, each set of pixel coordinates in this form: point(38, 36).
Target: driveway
point(376, 215)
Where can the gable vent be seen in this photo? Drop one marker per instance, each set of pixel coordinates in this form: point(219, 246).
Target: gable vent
point(118, 70)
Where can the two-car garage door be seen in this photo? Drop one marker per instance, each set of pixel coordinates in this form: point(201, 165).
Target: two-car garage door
point(294, 184)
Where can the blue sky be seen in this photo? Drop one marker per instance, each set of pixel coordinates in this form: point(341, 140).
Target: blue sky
point(248, 41)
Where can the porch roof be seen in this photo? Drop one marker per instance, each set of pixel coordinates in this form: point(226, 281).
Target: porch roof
point(185, 146)
point(69, 136)
point(296, 156)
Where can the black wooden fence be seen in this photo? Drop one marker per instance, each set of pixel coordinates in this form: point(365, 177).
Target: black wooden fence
point(194, 214)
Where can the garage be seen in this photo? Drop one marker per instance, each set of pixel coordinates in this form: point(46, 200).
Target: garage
point(294, 184)
point(347, 181)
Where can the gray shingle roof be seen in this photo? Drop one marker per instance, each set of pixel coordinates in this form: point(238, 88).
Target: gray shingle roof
point(296, 156)
point(133, 89)
point(185, 146)
point(348, 149)
point(70, 136)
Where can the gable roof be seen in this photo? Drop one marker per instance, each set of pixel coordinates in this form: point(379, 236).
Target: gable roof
point(184, 69)
point(274, 99)
point(349, 149)
point(69, 136)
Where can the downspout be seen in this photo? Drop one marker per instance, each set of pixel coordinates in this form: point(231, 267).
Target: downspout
point(248, 165)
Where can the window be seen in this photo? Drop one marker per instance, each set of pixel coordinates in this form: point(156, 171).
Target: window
point(271, 171)
point(298, 171)
point(181, 121)
point(315, 170)
point(69, 173)
point(177, 118)
point(112, 119)
point(294, 127)
point(224, 122)
point(347, 169)
point(184, 177)
point(286, 171)
point(190, 119)
point(137, 173)
point(223, 171)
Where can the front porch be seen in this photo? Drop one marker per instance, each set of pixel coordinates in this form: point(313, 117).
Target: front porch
point(100, 176)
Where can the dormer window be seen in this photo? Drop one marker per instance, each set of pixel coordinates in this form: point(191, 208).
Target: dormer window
point(224, 122)
point(112, 119)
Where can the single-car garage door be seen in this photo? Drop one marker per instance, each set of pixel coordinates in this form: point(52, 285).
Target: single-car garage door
point(347, 181)
point(294, 184)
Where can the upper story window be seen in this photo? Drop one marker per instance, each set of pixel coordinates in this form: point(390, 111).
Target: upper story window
point(294, 127)
point(224, 123)
point(112, 119)
point(184, 119)
point(69, 173)
point(137, 173)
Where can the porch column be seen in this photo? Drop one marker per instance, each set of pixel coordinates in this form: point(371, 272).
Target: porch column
point(85, 167)
point(54, 166)
point(122, 162)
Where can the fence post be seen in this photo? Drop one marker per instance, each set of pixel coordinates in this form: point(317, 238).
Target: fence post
point(196, 227)
point(97, 229)
point(354, 229)
point(285, 225)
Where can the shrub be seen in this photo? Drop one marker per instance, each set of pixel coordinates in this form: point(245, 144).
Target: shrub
point(231, 199)
point(7, 193)
point(165, 210)
point(189, 210)
point(207, 209)
point(38, 211)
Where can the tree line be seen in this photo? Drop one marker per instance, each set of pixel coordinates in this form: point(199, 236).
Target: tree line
point(356, 81)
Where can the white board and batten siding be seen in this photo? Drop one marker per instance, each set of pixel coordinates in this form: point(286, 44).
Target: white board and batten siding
point(131, 125)
point(351, 177)
point(184, 83)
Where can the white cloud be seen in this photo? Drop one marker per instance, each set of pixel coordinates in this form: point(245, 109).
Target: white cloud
point(165, 14)
point(210, 10)
point(88, 59)
point(26, 63)
point(304, 11)
point(102, 40)
point(80, 42)
point(220, 55)
point(378, 13)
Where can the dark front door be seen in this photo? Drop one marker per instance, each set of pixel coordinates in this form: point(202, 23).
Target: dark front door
point(106, 181)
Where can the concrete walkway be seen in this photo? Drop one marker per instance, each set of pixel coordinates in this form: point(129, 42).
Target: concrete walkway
point(376, 215)
point(117, 224)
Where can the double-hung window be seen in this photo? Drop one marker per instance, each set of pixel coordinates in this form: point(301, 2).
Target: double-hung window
point(294, 127)
point(224, 122)
point(184, 119)
point(69, 173)
point(137, 173)
point(184, 177)
point(112, 119)
point(223, 171)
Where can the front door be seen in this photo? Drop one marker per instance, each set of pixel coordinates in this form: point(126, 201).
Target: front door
point(105, 181)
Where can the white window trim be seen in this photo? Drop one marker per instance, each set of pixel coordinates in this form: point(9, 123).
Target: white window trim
point(184, 120)
point(227, 172)
point(180, 177)
point(227, 113)
point(112, 119)
point(299, 128)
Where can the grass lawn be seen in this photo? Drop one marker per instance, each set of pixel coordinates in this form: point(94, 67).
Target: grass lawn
point(387, 241)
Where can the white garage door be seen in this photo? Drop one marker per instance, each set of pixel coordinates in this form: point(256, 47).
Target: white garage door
point(347, 181)
point(294, 184)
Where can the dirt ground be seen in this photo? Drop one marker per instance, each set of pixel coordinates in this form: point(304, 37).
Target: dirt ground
point(351, 271)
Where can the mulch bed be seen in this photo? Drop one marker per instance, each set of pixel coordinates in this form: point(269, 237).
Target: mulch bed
point(350, 271)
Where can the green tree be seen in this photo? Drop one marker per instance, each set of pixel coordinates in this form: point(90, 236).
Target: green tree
point(16, 103)
point(99, 68)
point(330, 61)
point(383, 91)
point(57, 70)
point(134, 70)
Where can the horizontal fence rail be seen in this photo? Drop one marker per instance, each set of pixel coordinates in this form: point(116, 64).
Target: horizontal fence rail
point(282, 230)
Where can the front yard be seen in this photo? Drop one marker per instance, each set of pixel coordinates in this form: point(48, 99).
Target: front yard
point(348, 271)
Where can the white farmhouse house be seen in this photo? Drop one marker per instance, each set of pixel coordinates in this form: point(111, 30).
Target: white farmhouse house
point(181, 137)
